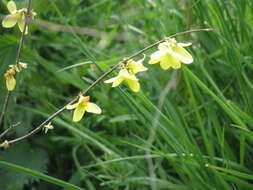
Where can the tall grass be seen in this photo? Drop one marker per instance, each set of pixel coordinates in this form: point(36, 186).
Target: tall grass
point(187, 129)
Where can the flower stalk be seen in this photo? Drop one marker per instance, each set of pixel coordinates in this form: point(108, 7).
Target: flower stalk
point(102, 77)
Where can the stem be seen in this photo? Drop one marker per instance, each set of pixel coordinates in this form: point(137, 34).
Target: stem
point(37, 129)
point(20, 47)
point(5, 105)
point(22, 38)
point(8, 129)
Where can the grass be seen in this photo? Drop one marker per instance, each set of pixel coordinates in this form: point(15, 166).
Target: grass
point(187, 129)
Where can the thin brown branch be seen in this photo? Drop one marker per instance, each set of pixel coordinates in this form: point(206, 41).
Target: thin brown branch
point(21, 44)
point(22, 38)
point(9, 129)
point(37, 129)
point(87, 31)
point(5, 105)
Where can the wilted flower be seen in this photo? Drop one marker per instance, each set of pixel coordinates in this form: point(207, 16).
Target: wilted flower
point(10, 79)
point(136, 66)
point(83, 105)
point(124, 75)
point(5, 144)
point(16, 16)
point(18, 67)
point(171, 54)
point(48, 127)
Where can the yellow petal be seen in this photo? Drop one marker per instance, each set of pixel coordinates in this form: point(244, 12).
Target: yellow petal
point(139, 67)
point(117, 81)
point(165, 62)
point(10, 83)
point(136, 67)
point(174, 62)
point(78, 113)
point(11, 5)
point(131, 77)
point(156, 57)
point(73, 106)
point(93, 108)
point(21, 25)
point(134, 85)
point(9, 21)
point(183, 55)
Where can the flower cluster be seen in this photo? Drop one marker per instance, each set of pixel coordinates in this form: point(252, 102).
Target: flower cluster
point(128, 73)
point(16, 16)
point(169, 54)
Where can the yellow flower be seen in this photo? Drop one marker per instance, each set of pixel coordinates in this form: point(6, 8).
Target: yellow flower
point(124, 75)
point(10, 79)
point(171, 54)
point(83, 105)
point(136, 66)
point(16, 16)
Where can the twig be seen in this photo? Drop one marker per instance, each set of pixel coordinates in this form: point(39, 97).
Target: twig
point(37, 129)
point(21, 44)
point(5, 105)
point(87, 31)
point(8, 130)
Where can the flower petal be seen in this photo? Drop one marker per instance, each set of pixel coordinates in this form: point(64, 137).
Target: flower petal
point(9, 21)
point(78, 113)
point(129, 76)
point(156, 57)
point(139, 67)
point(93, 108)
point(117, 81)
point(134, 85)
point(174, 62)
point(165, 62)
point(111, 80)
point(136, 66)
point(183, 55)
point(184, 44)
point(11, 5)
point(73, 106)
point(21, 25)
point(10, 83)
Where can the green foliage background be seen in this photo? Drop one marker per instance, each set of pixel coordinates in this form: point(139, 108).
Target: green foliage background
point(198, 115)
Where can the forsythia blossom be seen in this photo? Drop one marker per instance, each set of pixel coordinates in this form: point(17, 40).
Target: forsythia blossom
point(124, 75)
point(10, 79)
point(127, 74)
point(136, 66)
point(171, 54)
point(10, 75)
point(16, 16)
point(83, 105)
